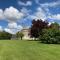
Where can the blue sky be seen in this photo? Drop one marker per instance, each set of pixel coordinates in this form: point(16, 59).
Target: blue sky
point(18, 14)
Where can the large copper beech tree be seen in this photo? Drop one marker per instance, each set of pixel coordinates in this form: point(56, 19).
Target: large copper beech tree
point(37, 26)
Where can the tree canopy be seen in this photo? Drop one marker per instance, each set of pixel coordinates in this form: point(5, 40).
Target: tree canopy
point(37, 26)
point(5, 35)
point(19, 35)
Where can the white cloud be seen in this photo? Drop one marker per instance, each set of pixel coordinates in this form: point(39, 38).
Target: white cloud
point(44, 14)
point(25, 11)
point(51, 4)
point(43, 11)
point(12, 25)
point(1, 14)
point(56, 17)
point(1, 29)
point(45, 8)
point(12, 14)
point(48, 4)
point(28, 3)
point(13, 28)
point(19, 28)
point(12, 31)
point(9, 30)
point(39, 14)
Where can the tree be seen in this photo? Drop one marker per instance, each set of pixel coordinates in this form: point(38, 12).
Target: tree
point(50, 36)
point(37, 26)
point(54, 25)
point(5, 35)
point(19, 35)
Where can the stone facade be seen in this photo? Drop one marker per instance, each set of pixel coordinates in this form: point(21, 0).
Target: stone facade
point(26, 33)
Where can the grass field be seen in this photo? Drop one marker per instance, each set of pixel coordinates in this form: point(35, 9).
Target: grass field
point(28, 50)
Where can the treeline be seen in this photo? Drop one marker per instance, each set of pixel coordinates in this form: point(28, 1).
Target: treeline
point(42, 31)
point(5, 35)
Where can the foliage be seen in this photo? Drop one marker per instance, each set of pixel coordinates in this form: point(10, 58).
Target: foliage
point(54, 25)
point(37, 26)
point(46, 33)
point(5, 35)
point(19, 35)
point(50, 36)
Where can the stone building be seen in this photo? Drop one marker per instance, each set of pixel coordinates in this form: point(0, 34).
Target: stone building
point(26, 33)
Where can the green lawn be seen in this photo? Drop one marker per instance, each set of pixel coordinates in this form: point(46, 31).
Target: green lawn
point(28, 50)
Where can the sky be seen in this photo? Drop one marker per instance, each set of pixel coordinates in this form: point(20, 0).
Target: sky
point(18, 14)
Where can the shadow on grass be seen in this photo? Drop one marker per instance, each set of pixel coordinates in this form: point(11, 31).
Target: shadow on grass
point(49, 43)
point(38, 41)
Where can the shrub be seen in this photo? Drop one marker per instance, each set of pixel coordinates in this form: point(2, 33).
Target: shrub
point(50, 36)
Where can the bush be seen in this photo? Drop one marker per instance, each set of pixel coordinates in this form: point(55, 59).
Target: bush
point(50, 36)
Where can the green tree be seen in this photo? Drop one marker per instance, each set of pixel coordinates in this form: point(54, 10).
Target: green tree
point(50, 36)
point(55, 25)
point(19, 35)
point(5, 35)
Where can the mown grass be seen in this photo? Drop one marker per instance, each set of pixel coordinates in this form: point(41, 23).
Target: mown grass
point(28, 50)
